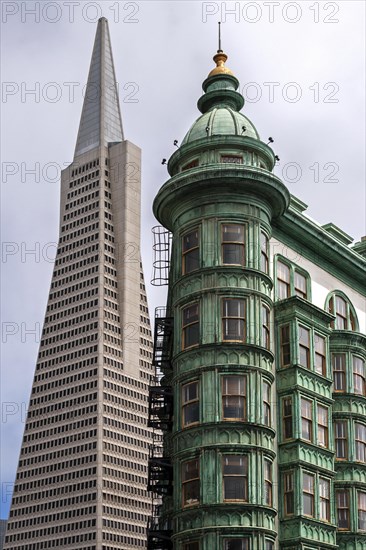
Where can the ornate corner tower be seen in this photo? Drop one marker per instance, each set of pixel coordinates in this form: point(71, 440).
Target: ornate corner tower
point(219, 205)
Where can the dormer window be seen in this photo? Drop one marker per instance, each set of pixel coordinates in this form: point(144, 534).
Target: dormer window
point(233, 159)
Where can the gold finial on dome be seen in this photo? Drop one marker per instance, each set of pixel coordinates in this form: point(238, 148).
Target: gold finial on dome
point(220, 58)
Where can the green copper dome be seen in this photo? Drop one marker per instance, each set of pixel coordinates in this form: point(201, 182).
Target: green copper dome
point(220, 105)
point(221, 120)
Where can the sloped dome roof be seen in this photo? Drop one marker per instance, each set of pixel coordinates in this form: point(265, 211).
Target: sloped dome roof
point(221, 120)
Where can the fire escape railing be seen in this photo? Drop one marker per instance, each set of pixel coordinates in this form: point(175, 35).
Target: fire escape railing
point(160, 472)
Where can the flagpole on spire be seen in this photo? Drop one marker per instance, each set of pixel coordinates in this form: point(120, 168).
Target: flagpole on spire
point(219, 50)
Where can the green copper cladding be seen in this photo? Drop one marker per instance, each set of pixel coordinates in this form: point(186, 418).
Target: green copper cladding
point(252, 443)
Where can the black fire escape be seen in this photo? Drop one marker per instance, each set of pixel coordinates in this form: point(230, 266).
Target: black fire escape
point(160, 472)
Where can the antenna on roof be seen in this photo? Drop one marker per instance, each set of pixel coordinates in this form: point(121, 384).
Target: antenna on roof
point(219, 50)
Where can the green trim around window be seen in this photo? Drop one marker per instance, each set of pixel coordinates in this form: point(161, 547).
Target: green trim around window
point(294, 269)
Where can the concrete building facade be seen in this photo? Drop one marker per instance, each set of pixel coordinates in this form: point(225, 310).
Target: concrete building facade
point(82, 472)
point(262, 373)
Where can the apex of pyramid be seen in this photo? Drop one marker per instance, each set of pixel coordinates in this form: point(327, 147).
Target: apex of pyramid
point(101, 121)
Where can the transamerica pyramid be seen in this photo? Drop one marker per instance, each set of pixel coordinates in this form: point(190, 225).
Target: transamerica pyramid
point(82, 472)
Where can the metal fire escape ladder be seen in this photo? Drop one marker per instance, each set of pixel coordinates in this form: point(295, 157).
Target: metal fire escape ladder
point(160, 472)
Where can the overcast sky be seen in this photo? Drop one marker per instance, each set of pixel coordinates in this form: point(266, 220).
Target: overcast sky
point(301, 69)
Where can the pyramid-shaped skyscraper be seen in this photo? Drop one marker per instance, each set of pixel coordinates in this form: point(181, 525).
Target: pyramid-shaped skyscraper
point(82, 473)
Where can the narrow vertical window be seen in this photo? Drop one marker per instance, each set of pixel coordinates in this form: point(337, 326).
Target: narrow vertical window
point(236, 544)
point(300, 285)
point(359, 376)
point(233, 320)
point(308, 495)
point(339, 371)
point(190, 482)
point(320, 363)
point(287, 418)
point(190, 251)
point(269, 545)
point(266, 389)
point(340, 436)
point(342, 501)
point(288, 493)
point(322, 426)
point(268, 499)
point(265, 327)
point(190, 404)
point(362, 510)
point(283, 280)
point(234, 397)
point(304, 347)
point(190, 328)
point(340, 313)
point(324, 496)
point(233, 244)
point(306, 420)
point(264, 252)
point(360, 436)
point(235, 473)
point(285, 346)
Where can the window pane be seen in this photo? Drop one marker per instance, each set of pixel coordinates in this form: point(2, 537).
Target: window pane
point(289, 493)
point(283, 272)
point(235, 464)
point(190, 314)
point(285, 345)
point(233, 397)
point(190, 470)
point(234, 385)
point(190, 326)
point(233, 254)
point(235, 477)
point(362, 511)
point(191, 335)
point(233, 325)
point(233, 308)
point(237, 544)
point(233, 407)
point(304, 336)
point(360, 434)
point(190, 392)
point(264, 252)
point(300, 284)
point(190, 251)
point(190, 403)
point(287, 418)
point(340, 434)
point(190, 482)
point(306, 421)
point(308, 494)
point(339, 371)
point(341, 306)
point(191, 260)
point(342, 501)
point(322, 426)
point(190, 240)
point(359, 375)
point(233, 233)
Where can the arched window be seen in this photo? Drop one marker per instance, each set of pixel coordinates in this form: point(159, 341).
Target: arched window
point(340, 306)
